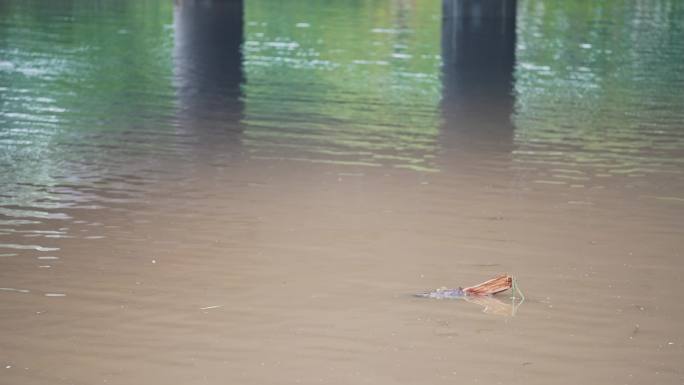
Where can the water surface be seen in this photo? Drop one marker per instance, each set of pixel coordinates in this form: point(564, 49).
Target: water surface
point(226, 192)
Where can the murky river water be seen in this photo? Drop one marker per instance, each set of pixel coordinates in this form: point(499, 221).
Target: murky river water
point(226, 193)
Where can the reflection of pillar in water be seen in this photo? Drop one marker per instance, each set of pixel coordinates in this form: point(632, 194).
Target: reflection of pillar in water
point(478, 53)
point(208, 65)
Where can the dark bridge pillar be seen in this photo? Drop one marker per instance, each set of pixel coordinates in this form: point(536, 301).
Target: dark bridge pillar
point(208, 65)
point(478, 53)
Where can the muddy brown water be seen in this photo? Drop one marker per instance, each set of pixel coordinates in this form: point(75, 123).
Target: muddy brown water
point(226, 193)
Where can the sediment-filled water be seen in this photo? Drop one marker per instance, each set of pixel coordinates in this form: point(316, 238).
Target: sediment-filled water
point(250, 193)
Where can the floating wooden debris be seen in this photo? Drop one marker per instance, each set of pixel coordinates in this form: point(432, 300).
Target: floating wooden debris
point(493, 286)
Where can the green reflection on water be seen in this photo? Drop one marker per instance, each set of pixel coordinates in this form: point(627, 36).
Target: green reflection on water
point(600, 85)
point(75, 77)
point(91, 62)
point(83, 85)
point(345, 81)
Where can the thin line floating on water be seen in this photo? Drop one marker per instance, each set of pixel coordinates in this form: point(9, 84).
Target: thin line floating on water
point(15, 290)
point(211, 307)
point(55, 295)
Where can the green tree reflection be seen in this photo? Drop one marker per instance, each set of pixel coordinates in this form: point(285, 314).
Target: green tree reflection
point(75, 77)
point(345, 82)
point(600, 86)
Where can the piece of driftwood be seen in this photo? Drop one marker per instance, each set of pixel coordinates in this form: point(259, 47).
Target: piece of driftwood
point(495, 285)
point(482, 295)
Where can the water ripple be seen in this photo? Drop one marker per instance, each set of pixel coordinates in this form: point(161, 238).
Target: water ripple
point(611, 107)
